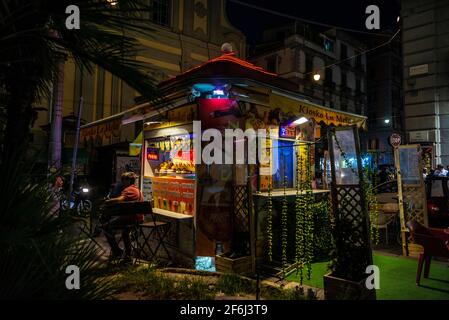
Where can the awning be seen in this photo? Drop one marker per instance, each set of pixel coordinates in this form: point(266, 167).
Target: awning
point(309, 110)
point(102, 129)
point(136, 146)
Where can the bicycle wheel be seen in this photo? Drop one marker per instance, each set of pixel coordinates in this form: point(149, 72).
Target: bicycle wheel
point(85, 206)
point(65, 205)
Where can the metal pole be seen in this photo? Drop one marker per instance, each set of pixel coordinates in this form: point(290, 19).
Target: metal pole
point(254, 215)
point(56, 115)
point(255, 256)
point(324, 94)
point(75, 147)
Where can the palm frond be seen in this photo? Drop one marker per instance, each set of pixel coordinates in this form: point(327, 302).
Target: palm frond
point(29, 50)
point(36, 247)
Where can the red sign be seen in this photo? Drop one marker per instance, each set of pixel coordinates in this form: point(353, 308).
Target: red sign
point(287, 132)
point(395, 140)
point(153, 154)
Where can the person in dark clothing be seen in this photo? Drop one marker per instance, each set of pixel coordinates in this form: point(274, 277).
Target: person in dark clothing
point(383, 175)
point(129, 193)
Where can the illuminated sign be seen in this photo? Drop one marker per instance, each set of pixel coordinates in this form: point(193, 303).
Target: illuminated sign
point(287, 132)
point(153, 154)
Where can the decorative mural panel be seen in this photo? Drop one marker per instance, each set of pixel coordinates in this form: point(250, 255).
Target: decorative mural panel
point(200, 17)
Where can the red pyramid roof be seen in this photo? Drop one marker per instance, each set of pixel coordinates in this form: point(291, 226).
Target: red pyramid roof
point(233, 59)
point(229, 66)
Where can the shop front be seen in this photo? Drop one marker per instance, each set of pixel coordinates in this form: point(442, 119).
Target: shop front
point(237, 148)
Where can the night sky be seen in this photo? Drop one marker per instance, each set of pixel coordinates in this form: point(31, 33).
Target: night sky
point(342, 13)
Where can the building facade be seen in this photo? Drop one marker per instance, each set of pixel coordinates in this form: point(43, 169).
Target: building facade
point(299, 52)
point(425, 45)
point(186, 34)
point(385, 99)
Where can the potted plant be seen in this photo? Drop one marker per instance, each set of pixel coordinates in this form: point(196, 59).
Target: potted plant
point(347, 279)
point(237, 259)
point(350, 228)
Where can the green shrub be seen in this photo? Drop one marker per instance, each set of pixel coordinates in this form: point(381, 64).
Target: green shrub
point(36, 247)
point(231, 284)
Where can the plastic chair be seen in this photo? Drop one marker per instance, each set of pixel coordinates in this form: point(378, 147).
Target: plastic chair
point(435, 243)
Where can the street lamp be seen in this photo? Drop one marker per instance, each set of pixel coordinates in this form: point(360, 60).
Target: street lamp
point(387, 121)
point(317, 78)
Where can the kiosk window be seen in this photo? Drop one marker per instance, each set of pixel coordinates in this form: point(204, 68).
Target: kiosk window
point(283, 164)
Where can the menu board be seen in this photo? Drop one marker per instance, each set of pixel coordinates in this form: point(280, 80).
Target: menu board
point(147, 189)
point(126, 164)
point(265, 170)
point(174, 194)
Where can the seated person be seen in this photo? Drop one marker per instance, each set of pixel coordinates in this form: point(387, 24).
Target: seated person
point(440, 171)
point(129, 193)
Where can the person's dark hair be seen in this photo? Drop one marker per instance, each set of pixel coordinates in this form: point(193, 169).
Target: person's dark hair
point(131, 176)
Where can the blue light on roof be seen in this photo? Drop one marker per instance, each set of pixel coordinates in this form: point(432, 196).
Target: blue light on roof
point(205, 264)
point(204, 87)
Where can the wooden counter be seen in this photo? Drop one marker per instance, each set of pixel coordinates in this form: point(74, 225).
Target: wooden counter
point(170, 214)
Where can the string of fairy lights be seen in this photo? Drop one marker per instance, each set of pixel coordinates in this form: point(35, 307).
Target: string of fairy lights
point(291, 17)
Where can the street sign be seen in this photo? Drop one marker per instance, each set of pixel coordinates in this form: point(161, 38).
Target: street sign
point(418, 70)
point(395, 140)
point(419, 136)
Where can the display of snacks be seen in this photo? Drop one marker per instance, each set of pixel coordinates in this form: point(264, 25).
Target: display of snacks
point(180, 167)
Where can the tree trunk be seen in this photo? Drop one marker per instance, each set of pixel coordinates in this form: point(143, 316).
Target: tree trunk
point(55, 146)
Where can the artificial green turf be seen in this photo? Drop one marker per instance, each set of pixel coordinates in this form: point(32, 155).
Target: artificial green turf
point(397, 279)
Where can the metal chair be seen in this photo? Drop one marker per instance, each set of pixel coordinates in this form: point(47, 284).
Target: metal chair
point(385, 216)
point(123, 209)
point(156, 231)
